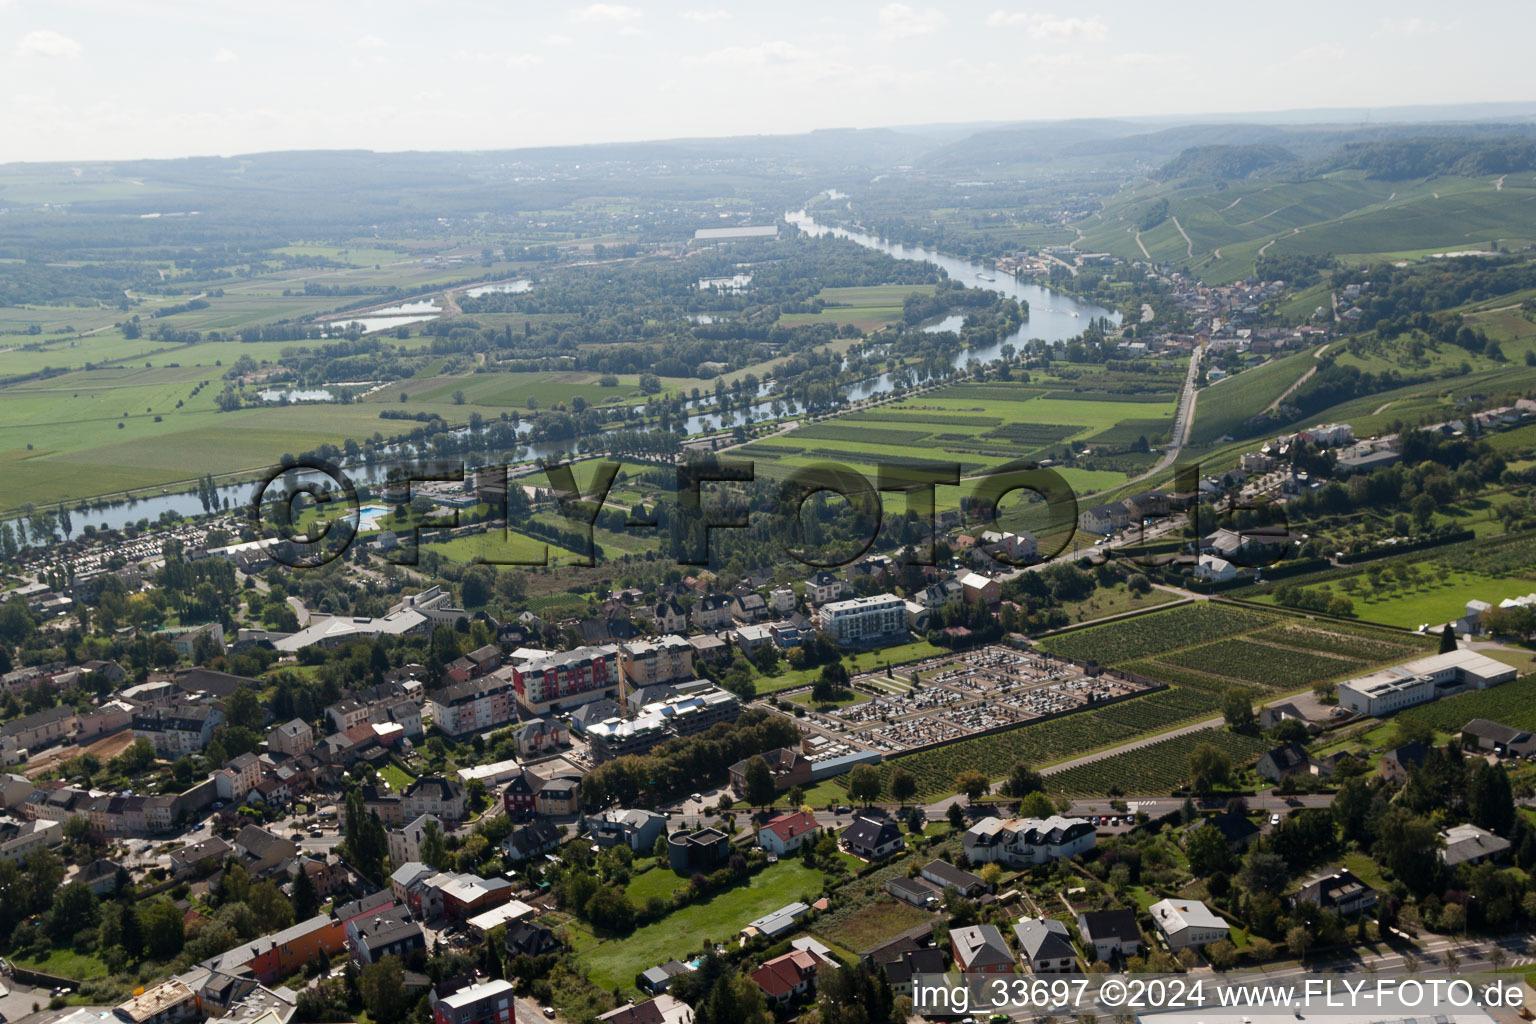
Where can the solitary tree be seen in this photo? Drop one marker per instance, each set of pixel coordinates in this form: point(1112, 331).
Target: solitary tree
point(903, 785)
point(864, 784)
point(972, 784)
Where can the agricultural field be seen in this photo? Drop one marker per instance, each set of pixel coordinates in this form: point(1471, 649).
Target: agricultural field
point(1223, 407)
point(1160, 767)
point(1429, 587)
point(1269, 667)
point(1211, 645)
point(1513, 704)
point(1152, 634)
point(979, 427)
point(866, 308)
point(1345, 213)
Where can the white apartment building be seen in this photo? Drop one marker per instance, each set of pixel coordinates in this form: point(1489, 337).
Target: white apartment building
point(862, 621)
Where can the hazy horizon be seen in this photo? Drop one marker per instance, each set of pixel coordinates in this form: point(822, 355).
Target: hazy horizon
point(91, 81)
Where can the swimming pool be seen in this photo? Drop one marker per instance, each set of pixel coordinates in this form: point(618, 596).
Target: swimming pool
point(368, 517)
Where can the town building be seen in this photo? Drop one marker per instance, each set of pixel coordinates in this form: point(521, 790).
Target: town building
point(291, 738)
point(1468, 844)
point(444, 799)
point(405, 842)
point(789, 768)
point(665, 659)
point(634, 828)
point(566, 679)
point(1045, 946)
point(663, 1009)
point(1337, 890)
point(944, 874)
point(1021, 842)
point(873, 838)
point(390, 933)
point(481, 1002)
point(788, 832)
point(865, 621)
point(917, 892)
point(1110, 933)
point(185, 729)
point(980, 949)
point(1185, 924)
point(787, 977)
point(476, 705)
point(541, 736)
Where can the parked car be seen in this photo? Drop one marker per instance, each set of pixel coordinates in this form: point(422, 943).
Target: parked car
point(1274, 819)
point(549, 1011)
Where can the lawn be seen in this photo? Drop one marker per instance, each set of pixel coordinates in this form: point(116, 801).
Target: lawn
point(658, 881)
point(1433, 599)
point(66, 963)
point(864, 661)
point(1114, 601)
point(614, 962)
point(398, 778)
point(500, 547)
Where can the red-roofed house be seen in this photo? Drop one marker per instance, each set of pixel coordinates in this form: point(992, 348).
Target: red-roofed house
point(785, 977)
point(787, 832)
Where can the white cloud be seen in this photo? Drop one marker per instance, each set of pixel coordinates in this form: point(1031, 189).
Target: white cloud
point(775, 52)
point(47, 43)
point(555, 40)
point(524, 61)
point(608, 13)
point(225, 57)
point(1415, 26)
point(704, 17)
point(371, 42)
point(1050, 26)
point(898, 21)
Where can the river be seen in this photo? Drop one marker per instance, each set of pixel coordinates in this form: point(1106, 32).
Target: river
point(1053, 316)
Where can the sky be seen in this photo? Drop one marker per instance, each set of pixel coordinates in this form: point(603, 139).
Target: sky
point(119, 79)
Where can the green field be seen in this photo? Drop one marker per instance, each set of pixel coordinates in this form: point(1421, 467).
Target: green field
point(977, 427)
point(867, 308)
point(1223, 407)
point(614, 962)
point(1344, 213)
point(1158, 768)
point(1432, 600)
point(1213, 638)
point(1513, 704)
point(861, 661)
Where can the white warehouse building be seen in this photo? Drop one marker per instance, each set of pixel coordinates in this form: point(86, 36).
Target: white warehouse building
point(1420, 681)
